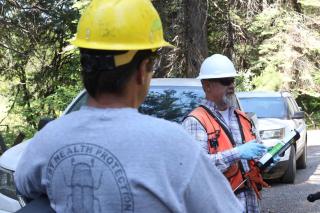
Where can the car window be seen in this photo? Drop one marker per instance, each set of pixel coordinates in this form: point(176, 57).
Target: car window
point(291, 107)
point(171, 103)
point(81, 101)
point(294, 104)
point(265, 107)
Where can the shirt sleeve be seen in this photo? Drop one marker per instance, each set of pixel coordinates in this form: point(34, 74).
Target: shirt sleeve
point(208, 183)
point(28, 173)
point(222, 160)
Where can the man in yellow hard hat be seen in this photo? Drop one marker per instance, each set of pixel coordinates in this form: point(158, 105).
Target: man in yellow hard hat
point(107, 157)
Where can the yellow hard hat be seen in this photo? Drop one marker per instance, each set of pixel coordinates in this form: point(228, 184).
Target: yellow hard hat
point(120, 25)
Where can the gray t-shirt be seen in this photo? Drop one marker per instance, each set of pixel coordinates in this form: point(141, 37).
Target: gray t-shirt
point(118, 160)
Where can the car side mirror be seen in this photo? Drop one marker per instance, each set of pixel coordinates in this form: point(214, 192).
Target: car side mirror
point(298, 115)
point(44, 122)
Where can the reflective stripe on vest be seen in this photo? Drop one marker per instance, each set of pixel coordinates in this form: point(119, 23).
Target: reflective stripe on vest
point(220, 139)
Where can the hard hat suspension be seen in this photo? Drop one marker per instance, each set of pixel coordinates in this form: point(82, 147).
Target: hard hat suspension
point(100, 61)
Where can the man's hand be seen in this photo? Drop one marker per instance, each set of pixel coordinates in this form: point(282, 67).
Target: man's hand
point(251, 150)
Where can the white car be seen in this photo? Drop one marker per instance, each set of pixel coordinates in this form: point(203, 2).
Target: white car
point(278, 113)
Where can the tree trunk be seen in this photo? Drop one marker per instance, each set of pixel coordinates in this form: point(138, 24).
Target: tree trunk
point(263, 4)
point(230, 45)
point(171, 60)
point(294, 4)
point(196, 44)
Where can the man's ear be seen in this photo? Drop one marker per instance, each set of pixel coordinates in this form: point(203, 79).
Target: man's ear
point(143, 71)
point(205, 85)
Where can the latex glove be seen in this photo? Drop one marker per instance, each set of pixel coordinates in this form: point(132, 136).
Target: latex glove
point(251, 150)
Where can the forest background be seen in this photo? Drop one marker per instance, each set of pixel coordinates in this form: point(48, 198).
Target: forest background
point(274, 44)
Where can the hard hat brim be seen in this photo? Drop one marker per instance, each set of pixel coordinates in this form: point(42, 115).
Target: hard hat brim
point(111, 46)
point(216, 76)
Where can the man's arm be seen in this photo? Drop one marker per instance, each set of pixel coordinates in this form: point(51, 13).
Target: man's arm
point(28, 175)
point(209, 191)
point(222, 160)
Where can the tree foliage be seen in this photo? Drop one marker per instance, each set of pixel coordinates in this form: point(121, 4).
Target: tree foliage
point(287, 56)
point(187, 32)
point(275, 45)
point(33, 58)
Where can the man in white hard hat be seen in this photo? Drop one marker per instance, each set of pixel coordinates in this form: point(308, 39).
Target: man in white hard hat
point(107, 157)
point(224, 132)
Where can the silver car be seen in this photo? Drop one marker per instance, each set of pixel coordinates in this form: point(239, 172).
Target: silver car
point(278, 113)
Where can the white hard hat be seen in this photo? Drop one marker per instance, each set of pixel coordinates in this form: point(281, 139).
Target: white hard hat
point(217, 66)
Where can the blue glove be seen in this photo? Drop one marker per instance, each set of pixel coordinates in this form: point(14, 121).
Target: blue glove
point(251, 150)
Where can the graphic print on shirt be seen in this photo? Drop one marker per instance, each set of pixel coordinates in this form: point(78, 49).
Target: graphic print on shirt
point(88, 178)
point(82, 188)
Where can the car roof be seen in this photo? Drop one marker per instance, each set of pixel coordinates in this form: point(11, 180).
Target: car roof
point(192, 82)
point(261, 94)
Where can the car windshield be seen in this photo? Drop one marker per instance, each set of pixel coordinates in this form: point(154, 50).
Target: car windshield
point(265, 107)
point(169, 102)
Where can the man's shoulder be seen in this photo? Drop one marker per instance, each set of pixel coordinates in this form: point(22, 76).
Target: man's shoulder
point(161, 124)
point(60, 124)
point(241, 113)
point(171, 130)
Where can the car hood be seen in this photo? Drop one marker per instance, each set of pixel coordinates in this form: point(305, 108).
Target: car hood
point(271, 123)
point(10, 158)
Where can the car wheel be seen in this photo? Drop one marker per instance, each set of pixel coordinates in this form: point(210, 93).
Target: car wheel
point(290, 175)
point(302, 161)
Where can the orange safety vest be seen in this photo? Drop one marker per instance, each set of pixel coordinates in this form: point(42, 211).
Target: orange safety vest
point(220, 139)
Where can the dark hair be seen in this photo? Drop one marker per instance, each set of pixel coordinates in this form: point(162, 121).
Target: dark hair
point(99, 73)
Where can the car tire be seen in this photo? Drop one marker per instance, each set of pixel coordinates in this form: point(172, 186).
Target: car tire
point(290, 175)
point(302, 161)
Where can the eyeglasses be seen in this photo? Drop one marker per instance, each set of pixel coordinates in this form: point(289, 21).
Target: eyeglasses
point(225, 81)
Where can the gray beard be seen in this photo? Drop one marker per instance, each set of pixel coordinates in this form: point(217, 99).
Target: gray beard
point(230, 100)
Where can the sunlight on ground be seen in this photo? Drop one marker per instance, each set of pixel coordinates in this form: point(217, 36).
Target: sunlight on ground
point(314, 156)
point(315, 177)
